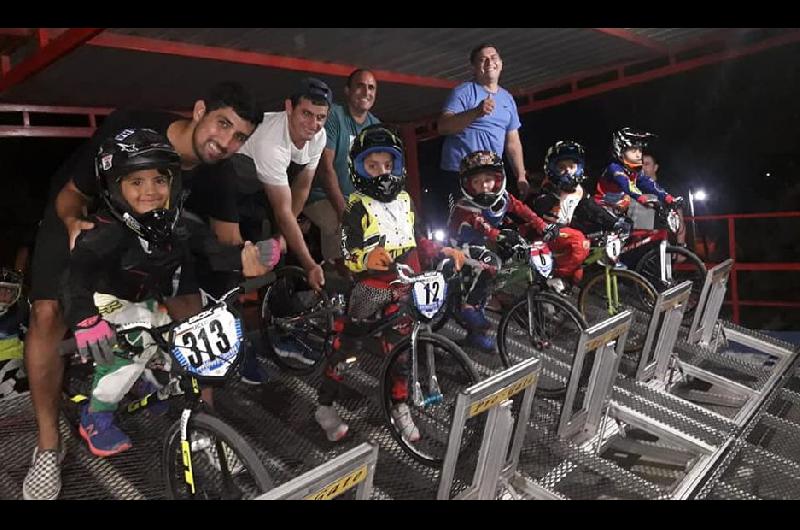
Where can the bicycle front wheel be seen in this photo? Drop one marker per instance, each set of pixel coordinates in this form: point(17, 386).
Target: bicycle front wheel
point(686, 265)
point(222, 463)
point(604, 296)
point(443, 369)
point(546, 323)
point(296, 322)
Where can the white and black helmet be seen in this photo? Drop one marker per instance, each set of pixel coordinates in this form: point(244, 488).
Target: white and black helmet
point(627, 138)
point(477, 162)
point(133, 150)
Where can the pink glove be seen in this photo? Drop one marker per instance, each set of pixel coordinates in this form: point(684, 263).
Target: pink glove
point(269, 252)
point(95, 337)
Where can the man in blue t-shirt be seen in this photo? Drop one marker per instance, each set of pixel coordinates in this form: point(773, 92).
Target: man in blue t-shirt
point(332, 186)
point(480, 115)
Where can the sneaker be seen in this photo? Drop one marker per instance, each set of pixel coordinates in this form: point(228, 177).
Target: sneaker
point(43, 481)
point(402, 419)
point(202, 442)
point(289, 349)
point(481, 341)
point(143, 388)
point(329, 420)
point(251, 372)
point(474, 319)
point(103, 437)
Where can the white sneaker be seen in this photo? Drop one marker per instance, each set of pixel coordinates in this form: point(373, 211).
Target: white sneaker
point(329, 420)
point(402, 419)
point(203, 443)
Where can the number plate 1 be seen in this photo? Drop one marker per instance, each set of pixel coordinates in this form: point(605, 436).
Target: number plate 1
point(542, 258)
point(430, 290)
point(209, 342)
point(613, 247)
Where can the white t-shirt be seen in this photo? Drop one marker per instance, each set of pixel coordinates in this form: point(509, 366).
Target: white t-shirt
point(273, 152)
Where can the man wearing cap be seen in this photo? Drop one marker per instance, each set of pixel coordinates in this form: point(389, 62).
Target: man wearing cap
point(332, 185)
point(286, 150)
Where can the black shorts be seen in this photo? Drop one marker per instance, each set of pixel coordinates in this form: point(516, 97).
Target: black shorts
point(50, 258)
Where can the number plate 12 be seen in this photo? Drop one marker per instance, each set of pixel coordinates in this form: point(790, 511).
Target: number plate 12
point(429, 293)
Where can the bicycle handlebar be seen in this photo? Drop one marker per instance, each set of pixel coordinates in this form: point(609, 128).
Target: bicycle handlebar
point(69, 346)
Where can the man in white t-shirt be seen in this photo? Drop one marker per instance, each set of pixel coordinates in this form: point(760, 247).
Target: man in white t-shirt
point(286, 149)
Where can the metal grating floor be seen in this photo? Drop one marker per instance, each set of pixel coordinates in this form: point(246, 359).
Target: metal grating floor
point(763, 461)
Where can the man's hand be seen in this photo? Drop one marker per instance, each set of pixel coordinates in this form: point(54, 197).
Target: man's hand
point(486, 107)
point(316, 277)
point(251, 262)
point(74, 226)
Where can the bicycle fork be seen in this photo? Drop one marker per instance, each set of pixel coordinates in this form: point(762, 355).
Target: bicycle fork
point(435, 393)
point(612, 292)
point(665, 265)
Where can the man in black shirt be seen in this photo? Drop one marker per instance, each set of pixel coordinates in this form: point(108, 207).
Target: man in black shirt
point(219, 125)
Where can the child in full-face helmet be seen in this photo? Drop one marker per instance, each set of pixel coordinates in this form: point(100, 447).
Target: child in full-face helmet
point(563, 200)
point(487, 222)
point(378, 229)
point(623, 178)
point(137, 254)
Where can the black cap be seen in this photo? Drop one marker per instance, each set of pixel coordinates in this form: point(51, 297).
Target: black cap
point(314, 89)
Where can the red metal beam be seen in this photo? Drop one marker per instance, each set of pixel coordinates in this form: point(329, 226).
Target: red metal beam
point(52, 109)
point(629, 36)
point(743, 216)
point(45, 132)
point(412, 166)
point(53, 51)
point(734, 277)
point(196, 51)
point(16, 32)
point(672, 69)
point(767, 303)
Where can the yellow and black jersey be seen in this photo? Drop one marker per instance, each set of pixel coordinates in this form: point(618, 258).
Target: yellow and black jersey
point(367, 219)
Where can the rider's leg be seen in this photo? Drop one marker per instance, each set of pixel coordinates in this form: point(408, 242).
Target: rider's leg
point(112, 381)
point(571, 248)
point(480, 288)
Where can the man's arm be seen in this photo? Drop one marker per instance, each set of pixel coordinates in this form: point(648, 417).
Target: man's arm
point(71, 207)
point(452, 123)
point(280, 199)
point(299, 190)
point(330, 181)
point(514, 150)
